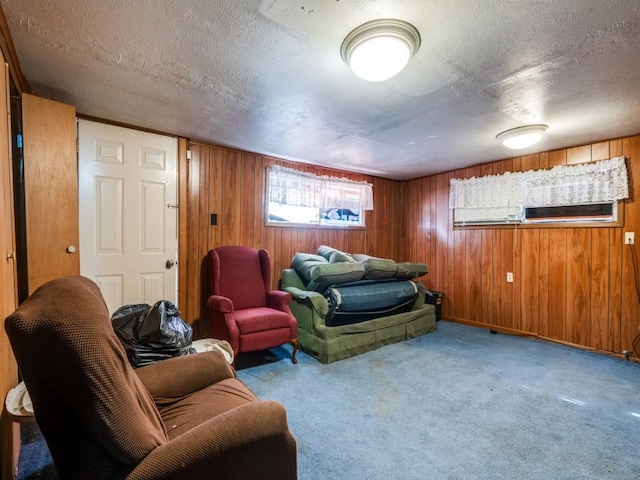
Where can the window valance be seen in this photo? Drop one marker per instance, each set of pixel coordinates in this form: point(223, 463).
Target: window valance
point(587, 183)
point(295, 188)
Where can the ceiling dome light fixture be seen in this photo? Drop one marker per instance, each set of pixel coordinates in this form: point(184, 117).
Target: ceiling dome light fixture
point(522, 137)
point(380, 49)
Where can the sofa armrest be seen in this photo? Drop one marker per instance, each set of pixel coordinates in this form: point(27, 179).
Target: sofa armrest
point(251, 441)
point(290, 278)
point(220, 304)
point(313, 299)
point(421, 297)
point(179, 376)
point(278, 299)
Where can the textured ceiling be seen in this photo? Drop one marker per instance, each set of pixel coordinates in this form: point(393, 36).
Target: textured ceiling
point(267, 76)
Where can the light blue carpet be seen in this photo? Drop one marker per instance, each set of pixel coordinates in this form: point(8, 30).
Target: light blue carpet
point(459, 403)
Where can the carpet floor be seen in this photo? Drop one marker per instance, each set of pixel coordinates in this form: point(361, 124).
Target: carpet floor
point(456, 404)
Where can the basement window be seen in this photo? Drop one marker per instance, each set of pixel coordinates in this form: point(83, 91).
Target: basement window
point(301, 198)
point(287, 214)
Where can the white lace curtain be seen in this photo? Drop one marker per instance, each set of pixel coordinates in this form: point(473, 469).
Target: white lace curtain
point(293, 187)
point(597, 182)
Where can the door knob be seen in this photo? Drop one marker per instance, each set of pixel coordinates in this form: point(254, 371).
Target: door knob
point(169, 264)
point(72, 249)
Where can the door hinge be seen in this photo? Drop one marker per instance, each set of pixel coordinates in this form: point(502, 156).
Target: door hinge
point(172, 205)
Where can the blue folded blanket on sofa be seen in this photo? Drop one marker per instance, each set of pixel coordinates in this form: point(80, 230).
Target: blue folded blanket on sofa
point(360, 301)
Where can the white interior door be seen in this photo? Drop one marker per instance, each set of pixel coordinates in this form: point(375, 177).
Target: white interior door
point(128, 213)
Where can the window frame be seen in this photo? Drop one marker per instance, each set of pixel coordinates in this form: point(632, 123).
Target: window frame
point(275, 223)
point(571, 214)
point(617, 223)
point(320, 225)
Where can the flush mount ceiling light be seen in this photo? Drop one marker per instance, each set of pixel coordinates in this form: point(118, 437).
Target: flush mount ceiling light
point(380, 49)
point(522, 137)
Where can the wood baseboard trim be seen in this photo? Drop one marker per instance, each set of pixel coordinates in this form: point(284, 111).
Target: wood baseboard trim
point(521, 333)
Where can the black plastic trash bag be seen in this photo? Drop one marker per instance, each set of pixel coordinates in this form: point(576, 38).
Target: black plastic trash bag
point(152, 333)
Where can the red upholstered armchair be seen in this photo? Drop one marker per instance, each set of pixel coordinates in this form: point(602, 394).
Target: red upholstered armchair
point(242, 308)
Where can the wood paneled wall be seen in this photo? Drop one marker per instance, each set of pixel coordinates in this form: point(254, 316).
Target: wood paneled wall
point(9, 431)
point(9, 434)
point(573, 285)
point(231, 184)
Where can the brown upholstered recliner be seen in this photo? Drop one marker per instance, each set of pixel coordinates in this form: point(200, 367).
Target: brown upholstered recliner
point(188, 417)
point(242, 307)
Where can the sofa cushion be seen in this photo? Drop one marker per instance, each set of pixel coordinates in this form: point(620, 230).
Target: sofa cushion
point(335, 256)
point(318, 273)
point(302, 263)
point(261, 319)
point(409, 270)
point(376, 268)
point(323, 275)
point(183, 414)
